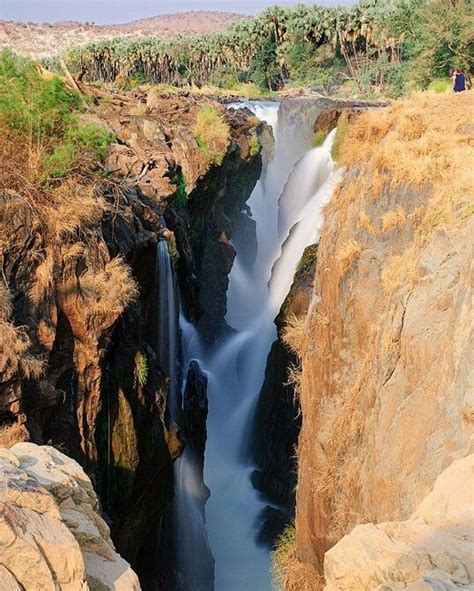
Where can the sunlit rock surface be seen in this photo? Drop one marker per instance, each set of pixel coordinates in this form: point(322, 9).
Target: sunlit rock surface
point(52, 536)
point(434, 549)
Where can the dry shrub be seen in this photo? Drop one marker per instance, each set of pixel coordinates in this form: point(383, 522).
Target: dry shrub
point(288, 571)
point(71, 207)
point(366, 224)
point(394, 219)
point(294, 374)
point(15, 346)
point(111, 290)
point(347, 254)
point(294, 333)
point(43, 278)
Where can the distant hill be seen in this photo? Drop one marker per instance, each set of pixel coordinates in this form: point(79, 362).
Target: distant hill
point(46, 39)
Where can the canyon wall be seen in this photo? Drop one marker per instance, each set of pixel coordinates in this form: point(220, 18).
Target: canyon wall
point(386, 354)
point(78, 359)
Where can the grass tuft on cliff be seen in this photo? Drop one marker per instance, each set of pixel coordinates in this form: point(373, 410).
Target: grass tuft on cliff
point(212, 133)
point(15, 344)
point(288, 571)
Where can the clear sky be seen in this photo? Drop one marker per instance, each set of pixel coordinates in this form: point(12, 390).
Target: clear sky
point(120, 11)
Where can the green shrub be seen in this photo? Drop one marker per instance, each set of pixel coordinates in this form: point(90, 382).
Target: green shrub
point(180, 197)
point(31, 104)
point(42, 111)
point(212, 133)
point(91, 137)
point(255, 147)
point(60, 161)
point(318, 139)
point(441, 85)
point(141, 368)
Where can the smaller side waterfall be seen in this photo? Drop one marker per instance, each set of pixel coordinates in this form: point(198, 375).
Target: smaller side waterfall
point(167, 324)
point(183, 541)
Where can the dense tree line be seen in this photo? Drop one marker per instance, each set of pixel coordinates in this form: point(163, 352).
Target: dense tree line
point(390, 44)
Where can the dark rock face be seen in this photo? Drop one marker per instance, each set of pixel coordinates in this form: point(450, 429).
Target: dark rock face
point(203, 230)
point(87, 401)
point(278, 419)
point(195, 409)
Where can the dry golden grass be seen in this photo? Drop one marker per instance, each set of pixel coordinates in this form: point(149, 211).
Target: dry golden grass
point(43, 278)
point(366, 224)
point(15, 346)
point(393, 219)
point(111, 290)
point(294, 334)
point(424, 140)
point(72, 206)
point(347, 254)
point(400, 271)
point(288, 571)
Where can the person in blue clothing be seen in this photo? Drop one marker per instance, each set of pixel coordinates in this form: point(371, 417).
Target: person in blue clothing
point(459, 82)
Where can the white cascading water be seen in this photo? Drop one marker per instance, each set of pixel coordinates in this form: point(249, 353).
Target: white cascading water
point(191, 554)
point(286, 205)
point(167, 337)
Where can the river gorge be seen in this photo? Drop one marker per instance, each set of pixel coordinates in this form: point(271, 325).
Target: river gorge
point(235, 337)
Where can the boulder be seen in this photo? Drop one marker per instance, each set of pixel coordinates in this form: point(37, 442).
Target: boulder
point(433, 550)
point(52, 536)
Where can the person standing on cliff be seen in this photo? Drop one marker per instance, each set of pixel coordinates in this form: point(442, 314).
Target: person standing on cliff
point(459, 82)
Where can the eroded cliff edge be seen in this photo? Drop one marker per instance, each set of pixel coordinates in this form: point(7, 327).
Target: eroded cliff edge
point(386, 351)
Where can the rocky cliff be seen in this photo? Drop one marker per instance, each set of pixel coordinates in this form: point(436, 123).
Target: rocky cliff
point(78, 360)
point(52, 534)
point(386, 359)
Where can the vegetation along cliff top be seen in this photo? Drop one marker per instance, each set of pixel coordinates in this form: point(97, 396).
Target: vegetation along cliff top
point(372, 49)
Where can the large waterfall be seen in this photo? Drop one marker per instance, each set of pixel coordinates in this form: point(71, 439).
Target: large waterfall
point(286, 206)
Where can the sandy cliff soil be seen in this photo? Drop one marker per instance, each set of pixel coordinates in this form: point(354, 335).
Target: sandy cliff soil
point(386, 352)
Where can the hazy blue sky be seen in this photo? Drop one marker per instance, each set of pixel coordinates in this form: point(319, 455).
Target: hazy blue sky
point(116, 11)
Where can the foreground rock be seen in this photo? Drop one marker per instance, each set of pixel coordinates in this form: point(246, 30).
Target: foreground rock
point(52, 536)
point(434, 549)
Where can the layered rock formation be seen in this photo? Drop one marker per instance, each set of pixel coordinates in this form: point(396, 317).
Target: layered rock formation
point(386, 350)
point(52, 535)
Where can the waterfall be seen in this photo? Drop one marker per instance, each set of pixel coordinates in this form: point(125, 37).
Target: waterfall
point(167, 324)
point(286, 212)
point(286, 206)
point(191, 567)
